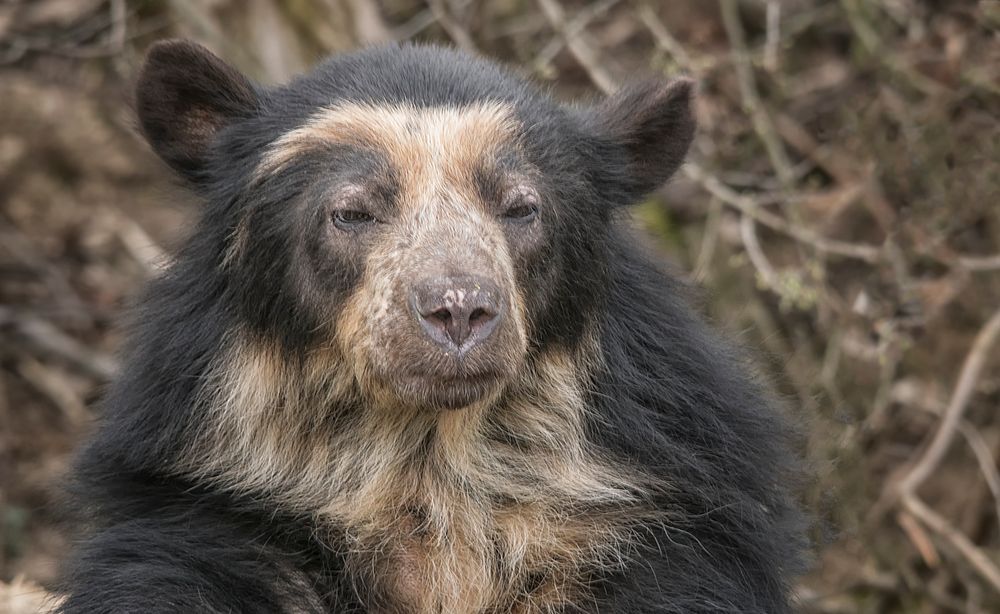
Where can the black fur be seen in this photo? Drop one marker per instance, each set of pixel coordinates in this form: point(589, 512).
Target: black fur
point(671, 397)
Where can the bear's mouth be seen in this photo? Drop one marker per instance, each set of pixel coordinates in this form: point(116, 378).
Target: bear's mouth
point(435, 392)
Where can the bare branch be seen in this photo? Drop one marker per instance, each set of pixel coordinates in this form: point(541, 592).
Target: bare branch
point(773, 41)
point(369, 25)
point(454, 29)
point(976, 557)
point(934, 454)
point(46, 338)
point(751, 98)
point(969, 375)
point(871, 42)
point(840, 166)
point(708, 242)
point(55, 387)
point(578, 47)
point(987, 465)
point(421, 21)
point(745, 204)
point(979, 264)
point(574, 28)
point(664, 39)
point(748, 233)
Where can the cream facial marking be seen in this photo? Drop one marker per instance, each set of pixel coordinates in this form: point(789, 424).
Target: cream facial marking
point(415, 138)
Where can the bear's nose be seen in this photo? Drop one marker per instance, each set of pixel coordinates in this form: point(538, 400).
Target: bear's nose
point(457, 311)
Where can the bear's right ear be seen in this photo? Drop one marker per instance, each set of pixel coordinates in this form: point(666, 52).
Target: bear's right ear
point(184, 96)
point(653, 122)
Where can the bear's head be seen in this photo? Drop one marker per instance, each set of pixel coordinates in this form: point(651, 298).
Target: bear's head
point(424, 217)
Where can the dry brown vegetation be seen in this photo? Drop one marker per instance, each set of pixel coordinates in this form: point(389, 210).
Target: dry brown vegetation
point(841, 207)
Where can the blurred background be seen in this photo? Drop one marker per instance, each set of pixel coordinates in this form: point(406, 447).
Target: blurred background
point(840, 211)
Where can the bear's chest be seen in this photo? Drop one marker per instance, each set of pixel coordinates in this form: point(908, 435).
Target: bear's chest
point(514, 559)
point(445, 546)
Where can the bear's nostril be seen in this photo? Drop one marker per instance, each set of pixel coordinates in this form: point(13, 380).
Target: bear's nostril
point(442, 315)
point(478, 317)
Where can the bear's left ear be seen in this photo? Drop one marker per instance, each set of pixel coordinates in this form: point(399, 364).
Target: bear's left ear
point(184, 96)
point(654, 123)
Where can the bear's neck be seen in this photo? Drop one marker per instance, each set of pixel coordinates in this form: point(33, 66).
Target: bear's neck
point(457, 511)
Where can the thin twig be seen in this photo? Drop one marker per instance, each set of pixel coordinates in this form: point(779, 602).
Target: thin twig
point(979, 264)
point(584, 53)
point(370, 27)
point(870, 40)
point(748, 234)
point(199, 17)
point(976, 557)
point(959, 402)
point(664, 39)
point(987, 465)
point(47, 339)
point(140, 245)
point(55, 387)
point(751, 98)
point(573, 29)
point(69, 303)
point(454, 29)
point(421, 21)
point(919, 538)
point(931, 458)
point(117, 35)
point(773, 41)
point(708, 241)
point(889, 356)
point(840, 166)
point(915, 394)
point(415, 25)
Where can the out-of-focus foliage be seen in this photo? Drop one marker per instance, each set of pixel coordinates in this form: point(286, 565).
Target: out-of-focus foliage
point(842, 210)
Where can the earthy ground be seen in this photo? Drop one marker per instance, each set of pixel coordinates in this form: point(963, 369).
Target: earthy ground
point(841, 210)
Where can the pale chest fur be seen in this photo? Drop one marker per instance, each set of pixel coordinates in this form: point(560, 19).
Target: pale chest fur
point(448, 538)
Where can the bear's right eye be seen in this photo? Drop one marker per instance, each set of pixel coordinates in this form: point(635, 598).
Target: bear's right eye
point(521, 213)
point(351, 219)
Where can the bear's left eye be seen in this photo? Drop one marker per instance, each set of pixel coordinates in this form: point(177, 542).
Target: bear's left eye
point(523, 207)
point(349, 219)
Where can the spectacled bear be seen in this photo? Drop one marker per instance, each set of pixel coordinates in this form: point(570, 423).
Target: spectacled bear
point(410, 360)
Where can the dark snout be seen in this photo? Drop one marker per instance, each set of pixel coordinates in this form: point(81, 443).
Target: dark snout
point(457, 312)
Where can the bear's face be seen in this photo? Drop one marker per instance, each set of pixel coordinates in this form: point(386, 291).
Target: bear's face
point(436, 209)
point(434, 235)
